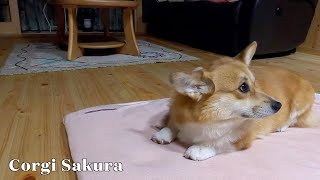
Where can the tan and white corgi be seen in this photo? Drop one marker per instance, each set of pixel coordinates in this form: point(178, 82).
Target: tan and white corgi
point(224, 108)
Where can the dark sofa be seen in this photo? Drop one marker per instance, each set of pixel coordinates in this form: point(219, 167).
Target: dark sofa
point(279, 26)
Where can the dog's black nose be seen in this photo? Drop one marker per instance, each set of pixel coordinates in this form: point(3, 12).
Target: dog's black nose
point(275, 105)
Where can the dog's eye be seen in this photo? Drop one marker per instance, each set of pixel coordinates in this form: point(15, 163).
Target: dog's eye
point(244, 88)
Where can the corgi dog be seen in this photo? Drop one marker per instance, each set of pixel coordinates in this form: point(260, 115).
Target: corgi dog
point(226, 107)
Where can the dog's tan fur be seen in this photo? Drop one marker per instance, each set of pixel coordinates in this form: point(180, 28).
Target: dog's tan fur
point(209, 112)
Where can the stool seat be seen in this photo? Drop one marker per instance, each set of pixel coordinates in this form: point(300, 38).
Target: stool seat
point(75, 48)
point(102, 45)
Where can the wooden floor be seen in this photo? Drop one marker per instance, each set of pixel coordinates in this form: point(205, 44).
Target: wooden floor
point(32, 106)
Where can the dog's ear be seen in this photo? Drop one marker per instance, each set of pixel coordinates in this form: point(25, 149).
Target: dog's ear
point(247, 54)
point(195, 85)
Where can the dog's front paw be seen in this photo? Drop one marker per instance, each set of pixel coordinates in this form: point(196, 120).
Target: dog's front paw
point(283, 129)
point(164, 136)
point(199, 153)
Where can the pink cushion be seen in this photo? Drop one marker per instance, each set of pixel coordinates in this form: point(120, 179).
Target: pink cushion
point(121, 133)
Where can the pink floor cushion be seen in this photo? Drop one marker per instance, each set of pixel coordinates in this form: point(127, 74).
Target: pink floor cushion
point(120, 136)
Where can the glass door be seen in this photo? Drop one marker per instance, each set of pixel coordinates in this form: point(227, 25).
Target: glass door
point(9, 17)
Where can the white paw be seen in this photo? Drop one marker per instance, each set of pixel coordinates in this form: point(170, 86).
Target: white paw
point(199, 153)
point(283, 129)
point(164, 136)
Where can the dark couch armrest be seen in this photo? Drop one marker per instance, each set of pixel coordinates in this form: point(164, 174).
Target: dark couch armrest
point(148, 8)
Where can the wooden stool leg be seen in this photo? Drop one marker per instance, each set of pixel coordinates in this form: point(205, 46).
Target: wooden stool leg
point(105, 21)
point(130, 46)
point(73, 48)
point(60, 25)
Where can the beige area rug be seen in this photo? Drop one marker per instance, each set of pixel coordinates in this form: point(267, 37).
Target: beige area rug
point(46, 57)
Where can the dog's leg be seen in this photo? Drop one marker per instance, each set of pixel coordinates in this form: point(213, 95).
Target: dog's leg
point(245, 142)
point(166, 135)
point(292, 119)
point(203, 151)
point(284, 119)
point(200, 152)
point(225, 144)
point(298, 119)
point(305, 119)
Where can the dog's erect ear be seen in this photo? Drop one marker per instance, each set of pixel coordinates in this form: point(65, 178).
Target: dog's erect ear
point(198, 73)
point(247, 54)
point(194, 85)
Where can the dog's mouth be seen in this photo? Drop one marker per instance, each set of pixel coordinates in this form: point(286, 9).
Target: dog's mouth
point(245, 115)
point(257, 112)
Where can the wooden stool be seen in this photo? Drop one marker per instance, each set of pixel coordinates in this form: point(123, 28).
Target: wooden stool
point(75, 48)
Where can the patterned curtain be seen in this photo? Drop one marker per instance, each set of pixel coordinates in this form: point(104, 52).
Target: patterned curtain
point(36, 16)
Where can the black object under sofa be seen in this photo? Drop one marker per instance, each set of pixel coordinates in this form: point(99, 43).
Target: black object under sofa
point(279, 26)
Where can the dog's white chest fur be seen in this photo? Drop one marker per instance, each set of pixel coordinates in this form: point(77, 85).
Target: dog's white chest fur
point(213, 133)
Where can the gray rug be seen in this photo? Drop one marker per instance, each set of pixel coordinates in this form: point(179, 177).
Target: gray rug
point(46, 57)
